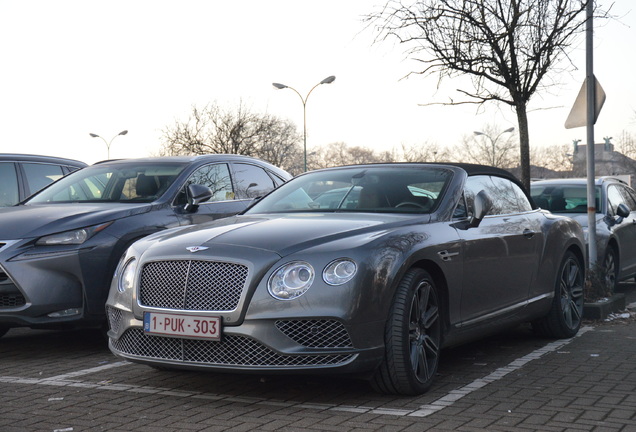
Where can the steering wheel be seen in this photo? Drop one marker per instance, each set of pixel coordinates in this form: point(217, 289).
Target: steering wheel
point(410, 204)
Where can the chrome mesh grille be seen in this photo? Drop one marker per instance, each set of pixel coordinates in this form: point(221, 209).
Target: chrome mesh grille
point(192, 285)
point(316, 333)
point(230, 351)
point(114, 318)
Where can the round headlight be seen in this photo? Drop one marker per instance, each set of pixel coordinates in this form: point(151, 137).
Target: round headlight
point(291, 280)
point(127, 276)
point(339, 271)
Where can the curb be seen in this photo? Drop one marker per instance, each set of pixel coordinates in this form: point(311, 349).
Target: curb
point(602, 308)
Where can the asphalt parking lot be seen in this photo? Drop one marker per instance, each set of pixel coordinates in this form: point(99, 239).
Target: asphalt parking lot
point(70, 382)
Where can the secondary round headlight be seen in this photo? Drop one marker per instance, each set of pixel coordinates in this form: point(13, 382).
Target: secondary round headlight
point(291, 280)
point(339, 271)
point(127, 276)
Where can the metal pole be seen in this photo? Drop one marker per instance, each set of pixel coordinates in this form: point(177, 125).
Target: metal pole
point(591, 110)
point(280, 86)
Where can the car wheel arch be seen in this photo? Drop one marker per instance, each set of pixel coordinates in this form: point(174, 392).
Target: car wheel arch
point(436, 272)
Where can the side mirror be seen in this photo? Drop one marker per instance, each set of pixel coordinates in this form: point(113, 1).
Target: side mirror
point(197, 194)
point(622, 211)
point(483, 204)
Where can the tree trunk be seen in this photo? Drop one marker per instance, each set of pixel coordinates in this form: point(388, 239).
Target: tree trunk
point(524, 144)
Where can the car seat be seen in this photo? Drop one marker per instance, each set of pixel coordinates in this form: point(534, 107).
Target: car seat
point(147, 186)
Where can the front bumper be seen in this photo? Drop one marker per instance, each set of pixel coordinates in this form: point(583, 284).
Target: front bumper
point(256, 345)
point(47, 287)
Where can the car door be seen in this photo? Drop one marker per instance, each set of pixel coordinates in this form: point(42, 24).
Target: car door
point(625, 231)
point(500, 255)
point(38, 175)
point(9, 188)
point(251, 181)
point(224, 201)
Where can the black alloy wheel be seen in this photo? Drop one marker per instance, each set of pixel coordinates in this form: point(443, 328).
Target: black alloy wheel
point(566, 313)
point(412, 337)
point(610, 269)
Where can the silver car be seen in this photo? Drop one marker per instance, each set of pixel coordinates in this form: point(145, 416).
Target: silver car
point(615, 219)
point(367, 270)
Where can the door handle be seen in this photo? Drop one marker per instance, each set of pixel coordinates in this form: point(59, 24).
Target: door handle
point(528, 233)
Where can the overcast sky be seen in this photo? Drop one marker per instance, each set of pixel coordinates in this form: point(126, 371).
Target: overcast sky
point(70, 68)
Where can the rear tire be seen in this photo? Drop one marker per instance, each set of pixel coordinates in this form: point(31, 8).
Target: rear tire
point(610, 269)
point(412, 337)
point(564, 319)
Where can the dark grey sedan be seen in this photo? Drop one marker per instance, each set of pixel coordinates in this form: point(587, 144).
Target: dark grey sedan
point(368, 269)
point(615, 219)
point(59, 249)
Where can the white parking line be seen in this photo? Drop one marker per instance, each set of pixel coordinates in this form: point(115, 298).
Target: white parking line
point(455, 395)
point(66, 380)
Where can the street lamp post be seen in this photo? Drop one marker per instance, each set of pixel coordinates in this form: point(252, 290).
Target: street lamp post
point(108, 143)
point(493, 141)
point(279, 86)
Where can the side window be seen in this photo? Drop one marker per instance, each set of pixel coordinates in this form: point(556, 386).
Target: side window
point(277, 180)
point(69, 169)
point(515, 199)
point(614, 198)
point(251, 181)
point(39, 175)
point(473, 186)
point(8, 184)
point(507, 197)
point(630, 198)
point(461, 210)
point(216, 177)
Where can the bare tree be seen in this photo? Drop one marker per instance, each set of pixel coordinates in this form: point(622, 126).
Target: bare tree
point(506, 47)
point(553, 160)
point(338, 154)
point(426, 152)
point(490, 146)
point(626, 144)
point(212, 129)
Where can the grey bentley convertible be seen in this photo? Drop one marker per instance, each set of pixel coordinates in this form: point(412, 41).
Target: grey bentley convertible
point(368, 270)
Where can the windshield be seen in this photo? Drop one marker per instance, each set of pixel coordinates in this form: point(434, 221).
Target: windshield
point(123, 182)
point(563, 198)
point(360, 189)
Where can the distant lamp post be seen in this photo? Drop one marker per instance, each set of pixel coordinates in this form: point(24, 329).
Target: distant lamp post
point(279, 86)
point(108, 143)
point(494, 141)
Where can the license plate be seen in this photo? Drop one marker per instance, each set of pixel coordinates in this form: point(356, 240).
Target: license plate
point(192, 326)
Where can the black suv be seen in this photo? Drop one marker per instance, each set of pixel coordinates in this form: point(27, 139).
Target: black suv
point(60, 247)
point(22, 175)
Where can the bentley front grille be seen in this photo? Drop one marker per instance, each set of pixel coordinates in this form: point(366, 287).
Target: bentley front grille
point(232, 350)
point(316, 333)
point(192, 285)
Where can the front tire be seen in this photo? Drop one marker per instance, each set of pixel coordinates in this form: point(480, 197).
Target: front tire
point(412, 337)
point(564, 319)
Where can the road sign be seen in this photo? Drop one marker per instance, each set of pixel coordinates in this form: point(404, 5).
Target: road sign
point(578, 114)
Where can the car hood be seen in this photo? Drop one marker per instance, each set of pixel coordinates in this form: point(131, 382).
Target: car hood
point(27, 221)
point(282, 235)
point(582, 218)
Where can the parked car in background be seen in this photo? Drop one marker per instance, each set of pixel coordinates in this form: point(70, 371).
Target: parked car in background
point(59, 249)
point(21, 175)
point(615, 219)
point(367, 270)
